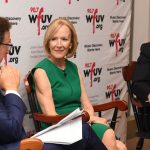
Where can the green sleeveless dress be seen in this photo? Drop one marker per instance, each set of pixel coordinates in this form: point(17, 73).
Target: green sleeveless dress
point(66, 90)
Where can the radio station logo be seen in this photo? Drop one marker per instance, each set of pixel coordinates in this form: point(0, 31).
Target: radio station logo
point(118, 1)
point(113, 92)
point(92, 72)
point(13, 54)
point(95, 18)
point(69, 1)
point(39, 18)
point(117, 42)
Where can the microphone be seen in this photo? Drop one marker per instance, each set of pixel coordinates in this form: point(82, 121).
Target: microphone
point(65, 74)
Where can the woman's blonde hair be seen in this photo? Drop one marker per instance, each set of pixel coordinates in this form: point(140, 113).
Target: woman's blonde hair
point(53, 27)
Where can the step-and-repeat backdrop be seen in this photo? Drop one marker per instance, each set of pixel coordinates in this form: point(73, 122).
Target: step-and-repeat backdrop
point(103, 28)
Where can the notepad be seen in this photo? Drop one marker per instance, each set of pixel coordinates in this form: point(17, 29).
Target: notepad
point(67, 131)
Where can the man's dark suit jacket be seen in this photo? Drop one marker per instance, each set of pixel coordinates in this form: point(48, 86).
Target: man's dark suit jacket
point(141, 77)
point(12, 111)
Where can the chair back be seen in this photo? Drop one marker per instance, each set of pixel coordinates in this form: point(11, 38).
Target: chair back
point(32, 99)
point(31, 144)
point(128, 72)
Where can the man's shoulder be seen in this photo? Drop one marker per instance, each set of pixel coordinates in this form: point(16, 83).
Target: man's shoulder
point(146, 45)
point(145, 48)
point(145, 52)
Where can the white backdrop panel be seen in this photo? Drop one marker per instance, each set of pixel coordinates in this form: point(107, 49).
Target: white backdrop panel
point(103, 28)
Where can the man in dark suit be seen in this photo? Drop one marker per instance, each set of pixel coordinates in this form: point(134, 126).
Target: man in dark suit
point(12, 108)
point(141, 77)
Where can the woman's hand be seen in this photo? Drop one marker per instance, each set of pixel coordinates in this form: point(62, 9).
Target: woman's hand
point(96, 119)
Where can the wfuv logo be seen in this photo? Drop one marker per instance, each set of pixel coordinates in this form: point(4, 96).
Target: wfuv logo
point(113, 92)
point(92, 72)
point(118, 1)
point(39, 18)
point(95, 18)
point(13, 54)
point(69, 1)
point(117, 42)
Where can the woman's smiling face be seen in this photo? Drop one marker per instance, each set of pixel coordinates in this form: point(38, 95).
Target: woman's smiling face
point(60, 43)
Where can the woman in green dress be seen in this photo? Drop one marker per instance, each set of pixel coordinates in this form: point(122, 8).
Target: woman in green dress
point(59, 84)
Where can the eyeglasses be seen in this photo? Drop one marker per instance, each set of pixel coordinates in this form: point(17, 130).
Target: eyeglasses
point(10, 45)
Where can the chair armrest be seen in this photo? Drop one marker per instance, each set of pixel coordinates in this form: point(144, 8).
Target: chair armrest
point(120, 104)
point(55, 119)
point(31, 144)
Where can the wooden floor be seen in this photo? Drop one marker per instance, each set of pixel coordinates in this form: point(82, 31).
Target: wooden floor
point(131, 144)
point(131, 137)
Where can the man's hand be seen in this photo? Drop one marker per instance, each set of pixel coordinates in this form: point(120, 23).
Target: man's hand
point(148, 98)
point(9, 78)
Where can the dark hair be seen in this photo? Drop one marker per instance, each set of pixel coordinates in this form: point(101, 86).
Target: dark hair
point(4, 26)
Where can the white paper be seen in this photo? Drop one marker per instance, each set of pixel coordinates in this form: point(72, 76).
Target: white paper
point(67, 131)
